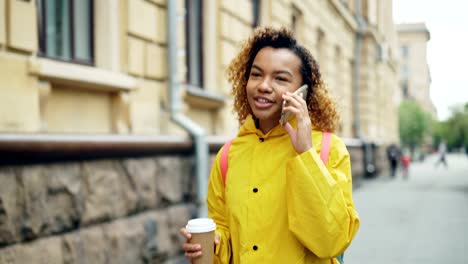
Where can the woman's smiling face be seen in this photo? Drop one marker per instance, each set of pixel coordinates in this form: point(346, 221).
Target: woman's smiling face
point(274, 72)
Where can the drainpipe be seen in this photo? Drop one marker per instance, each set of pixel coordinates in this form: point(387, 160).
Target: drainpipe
point(357, 67)
point(197, 132)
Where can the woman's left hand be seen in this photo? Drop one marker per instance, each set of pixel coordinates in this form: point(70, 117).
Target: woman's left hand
point(300, 138)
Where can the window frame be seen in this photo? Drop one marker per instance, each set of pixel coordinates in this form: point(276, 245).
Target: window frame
point(42, 22)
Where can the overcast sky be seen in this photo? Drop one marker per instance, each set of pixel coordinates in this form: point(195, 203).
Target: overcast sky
point(447, 21)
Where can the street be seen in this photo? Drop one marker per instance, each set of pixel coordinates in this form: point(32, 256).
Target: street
point(420, 220)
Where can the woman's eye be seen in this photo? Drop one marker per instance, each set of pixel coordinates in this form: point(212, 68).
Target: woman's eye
point(255, 74)
point(282, 79)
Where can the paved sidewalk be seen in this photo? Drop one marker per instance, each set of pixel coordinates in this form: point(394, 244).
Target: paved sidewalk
point(423, 219)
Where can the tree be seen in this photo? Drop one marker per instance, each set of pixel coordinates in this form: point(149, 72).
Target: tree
point(414, 124)
point(455, 129)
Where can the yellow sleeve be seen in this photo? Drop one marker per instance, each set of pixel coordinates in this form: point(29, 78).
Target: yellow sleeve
point(321, 210)
point(217, 211)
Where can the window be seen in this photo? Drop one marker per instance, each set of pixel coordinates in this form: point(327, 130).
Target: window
point(404, 52)
point(382, 52)
point(194, 42)
point(404, 72)
point(297, 23)
point(320, 47)
point(352, 100)
point(338, 70)
point(66, 30)
point(295, 18)
point(256, 13)
point(404, 89)
point(372, 8)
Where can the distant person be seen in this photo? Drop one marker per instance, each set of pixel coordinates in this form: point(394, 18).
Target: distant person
point(405, 163)
point(442, 151)
point(393, 155)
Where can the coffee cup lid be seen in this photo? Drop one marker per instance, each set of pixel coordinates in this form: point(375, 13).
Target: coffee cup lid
point(200, 225)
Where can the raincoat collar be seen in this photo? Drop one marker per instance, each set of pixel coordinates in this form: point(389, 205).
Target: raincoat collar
point(250, 127)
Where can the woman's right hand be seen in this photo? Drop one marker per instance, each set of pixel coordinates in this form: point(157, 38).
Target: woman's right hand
point(193, 251)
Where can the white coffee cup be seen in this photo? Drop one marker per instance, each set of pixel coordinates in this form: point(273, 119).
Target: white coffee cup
point(202, 230)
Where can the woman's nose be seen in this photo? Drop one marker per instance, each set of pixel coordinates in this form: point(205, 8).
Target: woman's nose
point(265, 86)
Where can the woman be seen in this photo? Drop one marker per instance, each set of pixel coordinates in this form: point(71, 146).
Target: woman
point(280, 203)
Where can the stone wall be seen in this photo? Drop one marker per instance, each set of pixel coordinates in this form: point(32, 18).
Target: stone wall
point(107, 211)
point(103, 211)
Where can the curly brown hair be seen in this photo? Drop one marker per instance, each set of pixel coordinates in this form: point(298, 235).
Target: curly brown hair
point(322, 108)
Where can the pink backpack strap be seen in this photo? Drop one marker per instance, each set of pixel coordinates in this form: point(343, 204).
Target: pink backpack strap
point(224, 160)
point(325, 150)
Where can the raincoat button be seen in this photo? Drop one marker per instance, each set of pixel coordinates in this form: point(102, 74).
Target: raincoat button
point(255, 190)
point(261, 139)
point(255, 247)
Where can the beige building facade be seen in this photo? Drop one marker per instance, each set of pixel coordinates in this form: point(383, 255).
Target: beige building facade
point(112, 78)
point(414, 77)
point(98, 99)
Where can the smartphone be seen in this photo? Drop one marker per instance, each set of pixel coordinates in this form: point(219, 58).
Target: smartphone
point(286, 116)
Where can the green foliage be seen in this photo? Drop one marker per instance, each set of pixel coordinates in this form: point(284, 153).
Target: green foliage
point(454, 130)
point(414, 123)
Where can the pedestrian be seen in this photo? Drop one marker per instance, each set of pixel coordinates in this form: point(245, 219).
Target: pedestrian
point(280, 203)
point(405, 163)
point(393, 156)
point(442, 151)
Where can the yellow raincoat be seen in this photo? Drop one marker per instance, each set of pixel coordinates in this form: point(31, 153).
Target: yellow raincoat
point(278, 206)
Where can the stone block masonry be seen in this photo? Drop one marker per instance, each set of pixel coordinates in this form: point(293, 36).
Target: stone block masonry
point(102, 211)
point(126, 210)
